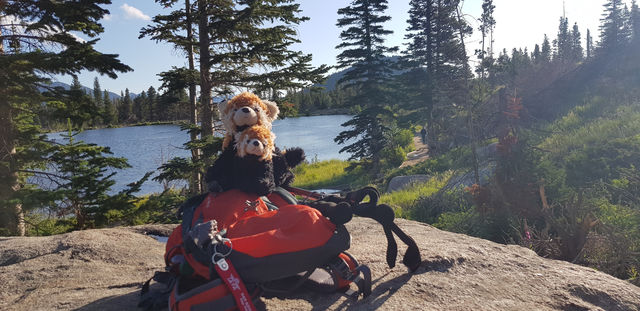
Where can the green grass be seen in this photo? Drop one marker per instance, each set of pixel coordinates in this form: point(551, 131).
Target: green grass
point(329, 174)
point(403, 200)
point(626, 123)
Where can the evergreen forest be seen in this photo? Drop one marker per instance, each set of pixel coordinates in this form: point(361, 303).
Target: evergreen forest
point(538, 147)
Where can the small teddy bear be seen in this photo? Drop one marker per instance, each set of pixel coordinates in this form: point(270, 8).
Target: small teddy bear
point(243, 111)
point(247, 166)
point(239, 113)
point(253, 165)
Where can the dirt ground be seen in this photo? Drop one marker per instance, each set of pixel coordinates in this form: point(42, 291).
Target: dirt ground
point(420, 153)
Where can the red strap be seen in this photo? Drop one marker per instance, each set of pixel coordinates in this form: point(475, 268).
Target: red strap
point(230, 276)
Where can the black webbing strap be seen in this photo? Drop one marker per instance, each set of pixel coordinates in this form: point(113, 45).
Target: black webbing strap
point(156, 299)
point(383, 214)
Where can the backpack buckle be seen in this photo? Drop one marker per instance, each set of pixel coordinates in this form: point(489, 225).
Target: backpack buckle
point(218, 255)
point(362, 279)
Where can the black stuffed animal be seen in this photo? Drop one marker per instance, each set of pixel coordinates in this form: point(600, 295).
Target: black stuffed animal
point(220, 176)
point(283, 163)
point(247, 166)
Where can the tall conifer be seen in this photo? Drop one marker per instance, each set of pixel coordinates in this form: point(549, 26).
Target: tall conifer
point(233, 38)
point(634, 22)
point(436, 59)
point(110, 115)
point(563, 43)
point(363, 50)
point(545, 51)
point(152, 102)
point(611, 24)
point(125, 109)
point(589, 44)
point(577, 53)
point(35, 42)
point(487, 24)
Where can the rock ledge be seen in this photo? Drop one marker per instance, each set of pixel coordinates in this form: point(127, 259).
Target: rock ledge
point(103, 270)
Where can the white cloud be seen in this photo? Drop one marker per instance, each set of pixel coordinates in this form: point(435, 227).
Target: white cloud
point(107, 17)
point(134, 13)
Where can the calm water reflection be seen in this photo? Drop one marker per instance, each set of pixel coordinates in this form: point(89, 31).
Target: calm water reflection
point(147, 147)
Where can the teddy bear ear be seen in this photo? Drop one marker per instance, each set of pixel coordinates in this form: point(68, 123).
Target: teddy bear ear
point(272, 109)
point(222, 108)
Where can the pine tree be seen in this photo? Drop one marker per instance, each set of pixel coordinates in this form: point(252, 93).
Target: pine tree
point(237, 36)
point(38, 43)
point(627, 31)
point(436, 60)
point(536, 54)
point(77, 105)
point(487, 25)
point(178, 29)
point(110, 114)
point(97, 102)
point(84, 175)
point(634, 22)
point(233, 39)
point(546, 50)
point(363, 50)
point(563, 43)
point(125, 109)
point(152, 101)
point(139, 106)
point(589, 44)
point(611, 23)
point(577, 53)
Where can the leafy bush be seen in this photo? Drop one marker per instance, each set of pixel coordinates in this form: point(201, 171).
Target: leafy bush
point(39, 225)
point(393, 156)
point(156, 209)
point(429, 208)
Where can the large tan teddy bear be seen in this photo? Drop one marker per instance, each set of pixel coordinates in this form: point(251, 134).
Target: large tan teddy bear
point(243, 111)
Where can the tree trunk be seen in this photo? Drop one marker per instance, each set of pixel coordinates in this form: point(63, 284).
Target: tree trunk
point(195, 184)
point(8, 175)
point(476, 174)
point(206, 85)
point(474, 147)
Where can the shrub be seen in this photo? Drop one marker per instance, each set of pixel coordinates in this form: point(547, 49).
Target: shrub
point(393, 156)
point(39, 225)
point(156, 209)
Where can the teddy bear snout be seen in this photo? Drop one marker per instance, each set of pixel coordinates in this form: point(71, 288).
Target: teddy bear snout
point(245, 116)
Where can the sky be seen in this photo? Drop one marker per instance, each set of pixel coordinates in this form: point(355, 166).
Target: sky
point(519, 23)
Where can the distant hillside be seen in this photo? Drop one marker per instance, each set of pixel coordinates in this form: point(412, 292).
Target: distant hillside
point(607, 76)
point(88, 90)
point(332, 79)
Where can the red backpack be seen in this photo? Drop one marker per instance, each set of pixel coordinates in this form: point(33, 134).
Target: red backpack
point(262, 245)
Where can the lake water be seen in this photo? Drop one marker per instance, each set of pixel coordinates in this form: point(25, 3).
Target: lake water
point(147, 147)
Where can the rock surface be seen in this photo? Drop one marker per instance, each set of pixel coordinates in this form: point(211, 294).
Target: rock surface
point(103, 270)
